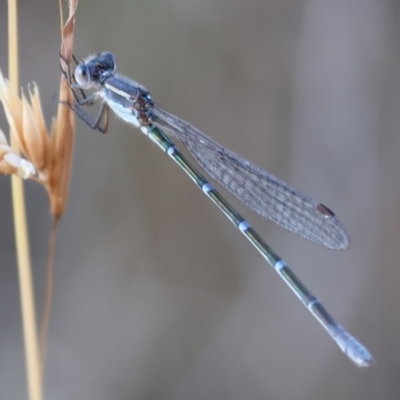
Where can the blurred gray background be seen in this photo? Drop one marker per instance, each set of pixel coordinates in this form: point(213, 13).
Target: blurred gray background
point(156, 295)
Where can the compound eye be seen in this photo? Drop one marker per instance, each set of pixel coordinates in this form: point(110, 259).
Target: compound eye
point(82, 75)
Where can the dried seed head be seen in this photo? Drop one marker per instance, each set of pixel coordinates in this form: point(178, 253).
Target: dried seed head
point(12, 163)
point(34, 128)
point(26, 122)
point(49, 155)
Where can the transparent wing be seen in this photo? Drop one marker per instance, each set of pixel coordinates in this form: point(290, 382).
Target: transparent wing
point(255, 187)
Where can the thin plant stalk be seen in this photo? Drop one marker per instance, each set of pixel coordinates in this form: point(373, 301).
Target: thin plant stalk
point(44, 325)
point(61, 148)
point(48, 299)
point(21, 236)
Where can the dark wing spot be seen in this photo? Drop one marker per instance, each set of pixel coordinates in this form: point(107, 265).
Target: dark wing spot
point(325, 211)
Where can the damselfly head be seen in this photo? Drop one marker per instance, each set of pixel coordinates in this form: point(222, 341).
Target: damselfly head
point(95, 69)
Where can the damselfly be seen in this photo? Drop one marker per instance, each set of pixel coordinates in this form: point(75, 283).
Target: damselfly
point(258, 189)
